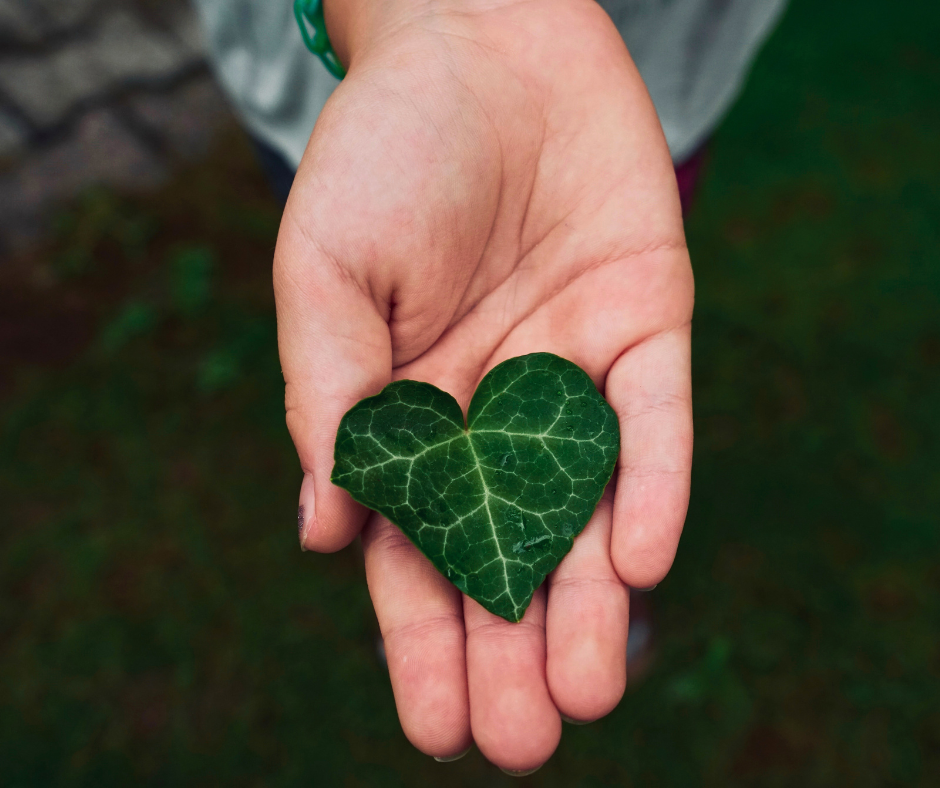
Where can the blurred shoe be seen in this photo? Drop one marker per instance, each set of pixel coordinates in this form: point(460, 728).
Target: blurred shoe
point(641, 650)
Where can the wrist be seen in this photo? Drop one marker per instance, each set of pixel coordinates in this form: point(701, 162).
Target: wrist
point(355, 26)
point(338, 16)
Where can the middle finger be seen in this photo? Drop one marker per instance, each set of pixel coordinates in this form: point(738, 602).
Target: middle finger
point(514, 721)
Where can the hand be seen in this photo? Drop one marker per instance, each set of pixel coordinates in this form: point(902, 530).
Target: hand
point(491, 180)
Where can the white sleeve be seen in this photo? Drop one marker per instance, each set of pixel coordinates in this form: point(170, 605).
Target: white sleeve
point(693, 55)
point(275, 84)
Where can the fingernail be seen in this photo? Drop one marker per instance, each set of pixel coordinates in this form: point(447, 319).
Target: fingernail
point(451, 758)
point(306, 510)
point(521, 772)
point(646, 590)
point(574, 722)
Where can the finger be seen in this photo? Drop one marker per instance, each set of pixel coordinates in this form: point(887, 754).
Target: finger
point(586, 624)
point(335, 350)
point(650, 388)
point(420, 617)
point(514, 721)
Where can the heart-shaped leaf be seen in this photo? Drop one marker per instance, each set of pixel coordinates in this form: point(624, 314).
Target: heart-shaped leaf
point(497, 505)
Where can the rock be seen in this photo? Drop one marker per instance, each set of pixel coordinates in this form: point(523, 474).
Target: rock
point(59, 15)
point(111, 92)
point(101, 151)
point(19, 22)
point(120, 51)
point(127, 50)
point(12, 135)
point(187, 119)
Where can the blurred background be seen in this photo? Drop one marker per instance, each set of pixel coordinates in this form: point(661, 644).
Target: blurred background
point(159, 625)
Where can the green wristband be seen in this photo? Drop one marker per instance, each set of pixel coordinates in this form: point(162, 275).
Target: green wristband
point(311, 12)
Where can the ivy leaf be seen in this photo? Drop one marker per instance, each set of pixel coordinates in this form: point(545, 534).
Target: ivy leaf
point(495, 505)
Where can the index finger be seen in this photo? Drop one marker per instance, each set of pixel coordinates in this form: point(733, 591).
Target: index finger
point(335, 349)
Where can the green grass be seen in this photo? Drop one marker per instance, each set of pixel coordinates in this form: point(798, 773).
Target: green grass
point(159, 626)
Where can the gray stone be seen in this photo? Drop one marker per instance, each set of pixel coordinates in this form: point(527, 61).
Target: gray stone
point(64, 14)
point(120, 51)
point(17, 23)
point(46, 88)
point(188, 119)
point(100, 52)
point(101, 151)
point(188, 30)
point(126, 49)
point(12, 136)
point(20, 22)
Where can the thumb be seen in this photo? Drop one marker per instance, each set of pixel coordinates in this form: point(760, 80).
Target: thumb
point(335, 349)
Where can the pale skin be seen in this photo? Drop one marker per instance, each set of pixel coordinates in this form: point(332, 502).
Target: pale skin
point(491, 180)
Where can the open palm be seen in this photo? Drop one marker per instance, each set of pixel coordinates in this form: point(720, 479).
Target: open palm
point(482, 186)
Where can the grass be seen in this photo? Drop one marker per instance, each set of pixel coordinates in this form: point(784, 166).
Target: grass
point(158, 625)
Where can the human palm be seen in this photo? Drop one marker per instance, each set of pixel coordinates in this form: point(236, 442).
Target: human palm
point(481, 186)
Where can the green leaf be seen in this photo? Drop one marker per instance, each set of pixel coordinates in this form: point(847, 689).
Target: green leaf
point(496, 505)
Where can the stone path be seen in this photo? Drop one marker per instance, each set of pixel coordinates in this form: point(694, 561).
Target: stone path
point(109, 92)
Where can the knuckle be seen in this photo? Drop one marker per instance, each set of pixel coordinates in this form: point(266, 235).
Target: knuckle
point(497, 631)
point(580, 584)
point(654, 404)
point(298, 426)
point(418, 632)
point(638, 469)
point(386, 539)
